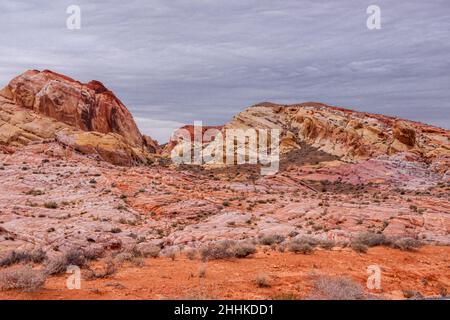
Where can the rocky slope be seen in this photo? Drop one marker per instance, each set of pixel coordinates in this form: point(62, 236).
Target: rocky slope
point(343, 174)
point(346, 134)
point(37, 106)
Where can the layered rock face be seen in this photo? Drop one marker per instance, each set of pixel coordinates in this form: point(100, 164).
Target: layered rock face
point(88, 117)
point(347, 134)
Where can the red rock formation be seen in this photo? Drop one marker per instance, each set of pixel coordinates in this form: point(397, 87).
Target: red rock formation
point(89, 107)
point(345, 133)
point(39, 106)
point(190, 129)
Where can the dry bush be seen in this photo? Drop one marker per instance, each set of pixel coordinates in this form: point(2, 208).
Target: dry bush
point(76, 257)
point(24, 279)
point(217, 250)
point(337, 288)
point(298, 246)
point(51, 205)
point(108, 270)
point(56, 265)
point(191, 254)
point(136, 260)
point(327, 244)
point(244, 249)
point(371, 239)
point(270, 239)
point(172, 254)
point(263, 281)
point(94, 253)
point(60, 263)
point(406, 244)
point(149, 251)
point(15, 257)
point(124, 256)
point(359, 247)
point(227, 249)
point(137, 254)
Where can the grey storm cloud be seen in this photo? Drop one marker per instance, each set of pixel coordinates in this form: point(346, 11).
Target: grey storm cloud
point(173, 62)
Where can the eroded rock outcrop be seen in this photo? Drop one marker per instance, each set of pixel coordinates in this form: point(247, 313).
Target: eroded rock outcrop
point(40, 105)
point(348, 134)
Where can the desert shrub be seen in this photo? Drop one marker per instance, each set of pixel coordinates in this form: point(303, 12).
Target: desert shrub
point(116, 230)
point(75, 257)
point(60, 263)
point(56, 265)
point(406, 244)
point(244, 249)
point(108, 270)
point(51, 205)
point(270, 239)
point(370, 239)
point(35, 192)
point(38, 256)
point(24, 279)
point(172, 254)
point(337, 288)
point(15, 257)
point(262, 281)
point(327, 244)
point(94, 253)
point(217, 250)
point(149, 251)
point(191, 254)
point(300, 247)
point(124, 256)
point(359, 247)
point(306, 239)
point(227, 249)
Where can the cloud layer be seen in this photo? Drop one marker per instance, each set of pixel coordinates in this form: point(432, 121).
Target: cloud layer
point(178, 61)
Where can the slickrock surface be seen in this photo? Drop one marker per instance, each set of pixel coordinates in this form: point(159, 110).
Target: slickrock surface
point(179, 207)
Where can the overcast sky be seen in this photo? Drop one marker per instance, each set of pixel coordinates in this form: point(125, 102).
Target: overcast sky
point(173, 62)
